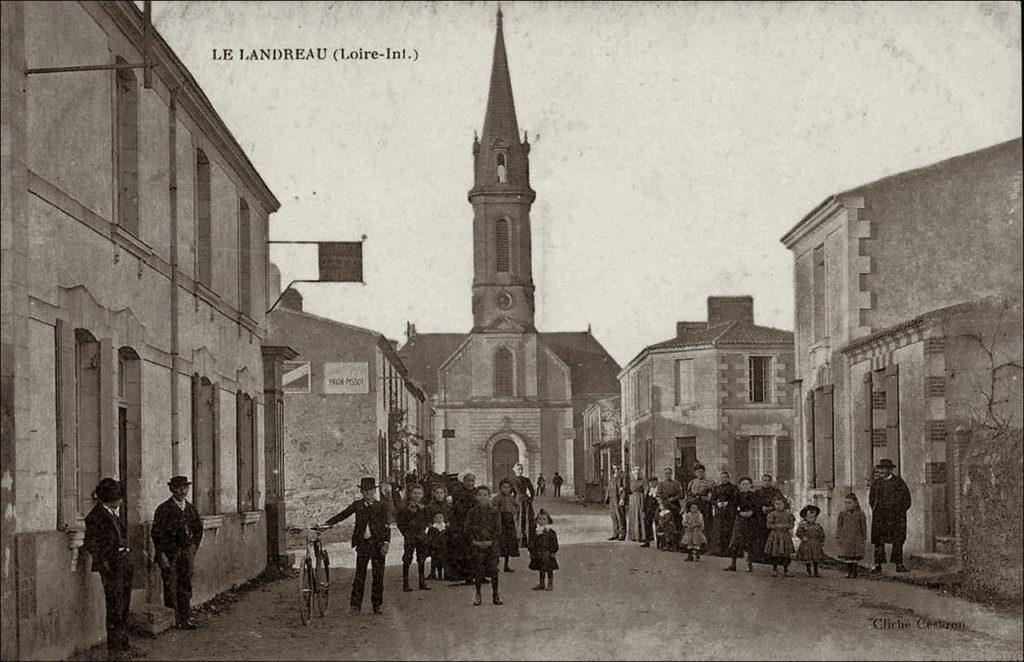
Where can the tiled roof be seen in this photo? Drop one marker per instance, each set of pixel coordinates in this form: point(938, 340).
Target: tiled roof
point(731, 333)
point(424, 353)
point(594, 371)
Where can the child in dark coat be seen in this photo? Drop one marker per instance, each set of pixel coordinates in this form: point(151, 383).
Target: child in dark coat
point(668, 532)
point(542, 551)
point(812, 539)
point(506, 505)
point(437, 545)
point(851, 534)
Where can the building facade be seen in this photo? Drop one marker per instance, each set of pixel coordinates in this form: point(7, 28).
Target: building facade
point(602, 444)
point(134, 267)
point(508, 393)
point(351, 412)
point(717, 393)
point(876, 271)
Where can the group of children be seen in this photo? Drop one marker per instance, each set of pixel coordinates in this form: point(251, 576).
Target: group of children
point(686, 533)
point(466, 540)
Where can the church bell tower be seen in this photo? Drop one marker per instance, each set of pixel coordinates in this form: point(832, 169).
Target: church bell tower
point(501, 197)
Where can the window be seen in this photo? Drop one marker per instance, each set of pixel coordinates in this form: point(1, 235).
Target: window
point(244, 260)
point(501, 244)
point(503, 373)
point(127, 143)
point(204, 231)
point(818, 418)
point(87, 415)
point(762, 456)
point(818, 295)
point(760, 371)
point(205, 474)
point(684, 382)
point(245, 436)
point(502, 175)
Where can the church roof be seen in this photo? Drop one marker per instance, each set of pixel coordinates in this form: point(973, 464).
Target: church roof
point(500, 120)
point(424, 353)
point(593, 370)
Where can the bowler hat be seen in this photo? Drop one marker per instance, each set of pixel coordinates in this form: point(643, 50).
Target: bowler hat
point(885, 463)
point(178, 481)
point(809, 509)
point(108, 490)
point(368, 484)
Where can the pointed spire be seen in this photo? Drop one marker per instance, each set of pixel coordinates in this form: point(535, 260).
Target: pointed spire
point(500, 120)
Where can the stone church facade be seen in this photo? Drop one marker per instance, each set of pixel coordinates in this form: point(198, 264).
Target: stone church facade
point(507, 392)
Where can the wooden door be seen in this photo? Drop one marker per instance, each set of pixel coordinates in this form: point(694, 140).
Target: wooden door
point(504, 456)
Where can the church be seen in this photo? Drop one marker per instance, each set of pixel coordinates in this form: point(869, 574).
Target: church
point(505, 392)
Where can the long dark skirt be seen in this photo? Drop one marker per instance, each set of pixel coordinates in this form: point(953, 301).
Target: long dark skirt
point(744, 536)
point(721, 532)
point(509, 544)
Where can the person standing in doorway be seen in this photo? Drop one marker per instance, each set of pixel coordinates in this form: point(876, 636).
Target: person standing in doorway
point(615, 497)
point(889, 499)
point(107, 543)
point(177, 533)
point(370, 538)
point(556, 483)
point(522, 490)
point(540, 485)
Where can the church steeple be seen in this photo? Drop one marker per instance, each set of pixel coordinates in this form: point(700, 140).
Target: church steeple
point(499, 156)
point(501, 197)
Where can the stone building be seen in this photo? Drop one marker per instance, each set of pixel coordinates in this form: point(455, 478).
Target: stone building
point(891, 279)
point(510, 393)
point(133, 292)
point(351, 411)
point(718, 393)
point(602, 444)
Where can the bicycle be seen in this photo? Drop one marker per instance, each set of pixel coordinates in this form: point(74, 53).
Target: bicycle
point(314, 576)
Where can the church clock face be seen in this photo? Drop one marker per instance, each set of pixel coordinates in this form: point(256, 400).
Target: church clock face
point(504, 300)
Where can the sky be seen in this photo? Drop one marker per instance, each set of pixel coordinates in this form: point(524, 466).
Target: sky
point(672, 144)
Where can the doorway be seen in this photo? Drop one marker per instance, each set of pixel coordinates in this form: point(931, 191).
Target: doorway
point(686, 457)
point(504, 456)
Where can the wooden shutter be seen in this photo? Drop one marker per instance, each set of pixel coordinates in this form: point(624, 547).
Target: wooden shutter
point(784, 454)
point(240, 463)
point(215, 481)
point(809, 435)
point(892, 413)
point(867, 411)
point(198, 486)
point(826, 438)
point(254, 476)
point(741, 456)
point(67, 487)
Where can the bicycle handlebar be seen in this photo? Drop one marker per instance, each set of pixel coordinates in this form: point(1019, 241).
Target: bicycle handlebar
point(320, 527)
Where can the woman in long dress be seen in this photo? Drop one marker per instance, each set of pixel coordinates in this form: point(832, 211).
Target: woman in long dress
point(635, 511)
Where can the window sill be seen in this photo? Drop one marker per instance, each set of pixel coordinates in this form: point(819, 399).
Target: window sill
point(251, 516)
point(130, 242)
point(213, 521)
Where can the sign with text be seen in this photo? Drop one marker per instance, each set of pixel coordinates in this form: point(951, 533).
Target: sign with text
point(341, 261)
point(346, 378)
point(295, 376)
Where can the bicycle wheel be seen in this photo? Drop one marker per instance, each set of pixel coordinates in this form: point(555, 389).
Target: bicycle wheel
point(306, 591)
point(323, 582)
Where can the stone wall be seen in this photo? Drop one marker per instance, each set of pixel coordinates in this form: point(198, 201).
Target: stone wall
point(990, 498)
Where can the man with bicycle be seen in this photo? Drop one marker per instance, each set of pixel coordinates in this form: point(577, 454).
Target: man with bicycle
point(370, 538)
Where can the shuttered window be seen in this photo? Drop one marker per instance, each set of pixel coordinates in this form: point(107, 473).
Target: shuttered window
point(501, 240)
point(205, 478)
point(87, 418)
point(784, 459)
point(741, 456)
point(684, 382)
point(245, 439)
point(892, 414)
point(761, 453)
point(824, 438)
point(503, 373)
point(204, 223)
point(127, 140)
point(759, 370)
point(244, 259)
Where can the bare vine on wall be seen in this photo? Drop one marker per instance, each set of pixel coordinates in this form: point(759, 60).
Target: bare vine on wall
point(995, 388)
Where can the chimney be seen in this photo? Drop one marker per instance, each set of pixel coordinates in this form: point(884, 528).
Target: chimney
point(730, 309)
point(291, 300)
point(393, 343)
point(683, 327)
point(410, 330)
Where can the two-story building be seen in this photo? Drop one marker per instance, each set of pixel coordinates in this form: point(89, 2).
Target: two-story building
point(134, 259)
point(351, 411)
point(717, 392)
point(892, 281)
point(602, 444)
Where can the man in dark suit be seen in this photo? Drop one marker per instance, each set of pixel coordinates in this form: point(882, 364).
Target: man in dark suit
point(177, 532)
point(889, 499)
point(615, 497)
point(370, 539)
point(107, 542)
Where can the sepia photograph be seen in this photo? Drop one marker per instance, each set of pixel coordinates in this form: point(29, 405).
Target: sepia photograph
point(554, 330)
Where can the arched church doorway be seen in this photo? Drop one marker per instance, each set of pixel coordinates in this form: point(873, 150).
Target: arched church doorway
point(504, 456)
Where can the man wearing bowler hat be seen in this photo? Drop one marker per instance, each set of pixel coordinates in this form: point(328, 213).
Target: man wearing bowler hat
point(107, 542)
point(889, 500)
point(177, 532)
point(370, 538)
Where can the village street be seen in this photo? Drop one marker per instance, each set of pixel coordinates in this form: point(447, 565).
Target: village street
point(611, 600)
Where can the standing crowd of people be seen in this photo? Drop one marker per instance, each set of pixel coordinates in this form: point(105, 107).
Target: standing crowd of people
point(467, 534)
point(754, 523)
